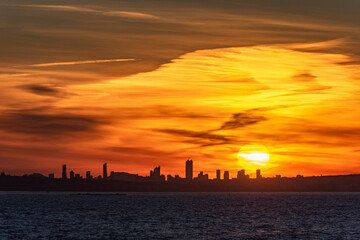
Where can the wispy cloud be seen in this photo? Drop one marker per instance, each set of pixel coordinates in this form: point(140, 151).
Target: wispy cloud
point(79, 62)
point(122, 14)
point(64, 8)
point(130, 14)
point(239, 120)
point(201, 138)
point(45, 90)
point(47, 122)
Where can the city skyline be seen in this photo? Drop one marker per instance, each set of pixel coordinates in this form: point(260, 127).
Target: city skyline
point(156, 181)
point(155, 174)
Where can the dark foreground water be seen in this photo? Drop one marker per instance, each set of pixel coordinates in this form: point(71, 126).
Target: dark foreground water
point(180, 216)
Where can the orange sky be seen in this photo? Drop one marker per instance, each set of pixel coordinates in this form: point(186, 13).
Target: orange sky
point(138, 85)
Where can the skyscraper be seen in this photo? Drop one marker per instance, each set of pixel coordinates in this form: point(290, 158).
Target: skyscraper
point(72, 175)
point(258, 174)
point(189, 169)
point(218, 172)
point(105, 170)
point(241, 174)
point(226, 175)
point(88, 175)
point(155, 174)
point(64, 175)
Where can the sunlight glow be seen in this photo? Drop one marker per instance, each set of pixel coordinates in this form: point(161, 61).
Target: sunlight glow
point(254, 155)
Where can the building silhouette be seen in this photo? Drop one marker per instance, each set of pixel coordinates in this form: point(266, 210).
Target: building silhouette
point(155, 175)
point(226, 175)
point(123, 182)
point(218, 172)
point(125, 177)
point(105, 171)
point(64, 175)
point(258, 174)
point(202, 176)
point(189, 169)
point(72, 175)
point(241, 174)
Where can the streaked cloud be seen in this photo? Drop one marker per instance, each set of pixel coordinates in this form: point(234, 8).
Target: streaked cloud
point(46, 90)
point(69, 8)
point(79, 62)
point(130, 14)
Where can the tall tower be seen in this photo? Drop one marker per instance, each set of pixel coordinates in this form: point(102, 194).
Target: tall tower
point(64, 175)
point(226, 175)
point(189, 169)
point(241, 174)
point(105, 171)
point(218, 174)
point(157, 172)
point(258, 174)
point(88, 175)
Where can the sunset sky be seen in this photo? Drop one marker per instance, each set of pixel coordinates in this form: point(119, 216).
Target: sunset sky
point(143, 83)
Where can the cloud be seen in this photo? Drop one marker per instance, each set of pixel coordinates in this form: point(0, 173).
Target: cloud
point(130, 15)
point(315, 89)
point(341, 132)
point(210, 138)
point(138, 151)
point(47, 122)
point(351, 62)
point(122, 14)
point(239, 120)
point(63, 8)
point(304, 77)
point(79, 62)
point(203, 138)
point(42, 89)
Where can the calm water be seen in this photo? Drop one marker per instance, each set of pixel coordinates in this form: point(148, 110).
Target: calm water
point(180, 216)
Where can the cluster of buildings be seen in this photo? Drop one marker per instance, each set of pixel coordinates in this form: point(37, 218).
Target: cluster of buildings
point(201, 176)
point(155, 175)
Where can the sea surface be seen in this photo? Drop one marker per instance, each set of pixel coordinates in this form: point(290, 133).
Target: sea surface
point(179, 216)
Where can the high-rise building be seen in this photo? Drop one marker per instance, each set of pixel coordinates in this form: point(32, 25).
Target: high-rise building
point(226, 175)
point(72, 175)
point(241, 174)
point(189, 169)
point(258, 174)
point(218, 172)
point(202, 176)
point(88, 175)
point(105, 170)
point(51, 176)
point(64, 175)
point(155, 174)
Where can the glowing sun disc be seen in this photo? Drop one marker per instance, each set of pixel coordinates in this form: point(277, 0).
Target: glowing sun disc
point(254, 155)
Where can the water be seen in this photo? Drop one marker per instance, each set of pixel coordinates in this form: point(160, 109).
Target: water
point(180, 216)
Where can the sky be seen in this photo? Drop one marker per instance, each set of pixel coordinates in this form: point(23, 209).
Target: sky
point(141, 83)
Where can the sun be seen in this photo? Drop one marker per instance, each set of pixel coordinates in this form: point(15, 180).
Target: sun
point(253, 155)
